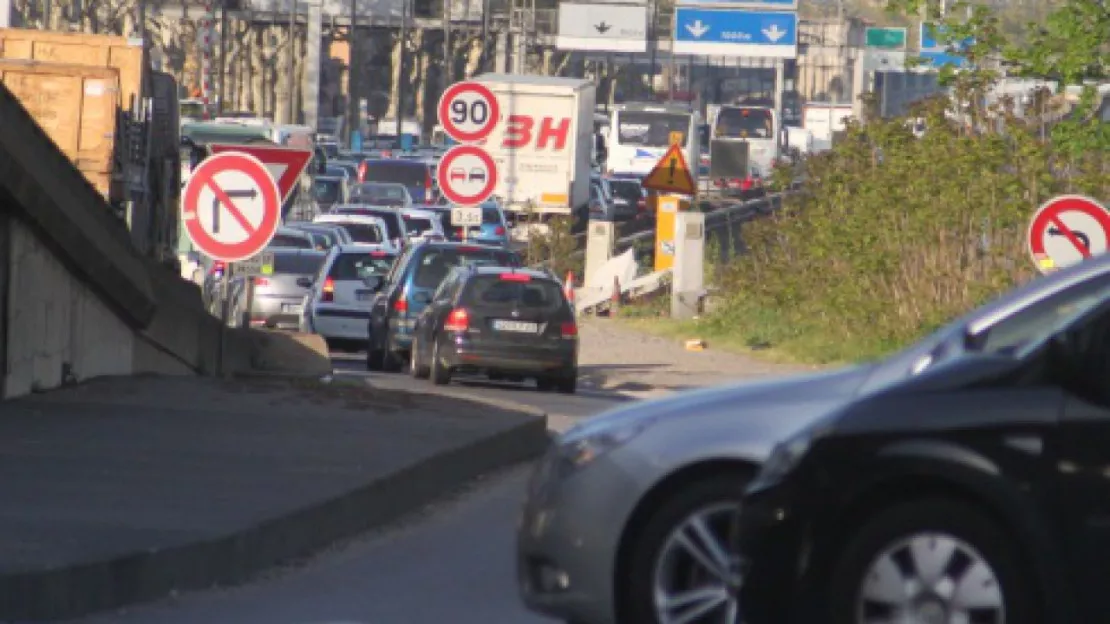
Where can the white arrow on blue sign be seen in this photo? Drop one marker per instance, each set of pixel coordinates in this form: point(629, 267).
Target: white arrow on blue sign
point(735, 32)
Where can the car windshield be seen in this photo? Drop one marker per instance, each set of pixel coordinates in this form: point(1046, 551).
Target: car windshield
point(1031, 326)
point(435, 264)
point(382, 194)
point(360, 265)
point(293, 264)
point(363, 232)
point(492, 291)
point(415, 226)
point(290, 240)
point(744, 123)
point(651, 129)
point(326, 191)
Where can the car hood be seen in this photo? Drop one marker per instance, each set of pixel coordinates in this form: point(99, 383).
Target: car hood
point(748, 417)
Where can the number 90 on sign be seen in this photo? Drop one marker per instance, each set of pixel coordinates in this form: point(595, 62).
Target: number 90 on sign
point(466, 216)
point(468, 111)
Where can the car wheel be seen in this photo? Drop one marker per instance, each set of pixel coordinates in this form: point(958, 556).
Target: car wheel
point(390, 362)
point(931, 561)
point(685, 564)
point(545, 384)
point(373, 357)
point(568, 384)
point(440, 374)
point(416, 367)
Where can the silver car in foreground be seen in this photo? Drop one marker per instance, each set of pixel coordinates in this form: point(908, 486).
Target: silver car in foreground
point(633, 516)
point(279, 296)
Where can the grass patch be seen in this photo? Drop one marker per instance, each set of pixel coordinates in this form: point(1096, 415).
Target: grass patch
point(758, 332)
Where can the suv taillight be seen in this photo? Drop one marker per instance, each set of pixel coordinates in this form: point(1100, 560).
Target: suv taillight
point(569, 330)
point(457, 321)
point(362, 171)
point(327, 293)
point(401, 306)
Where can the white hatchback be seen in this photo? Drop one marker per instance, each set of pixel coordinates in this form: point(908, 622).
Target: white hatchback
point(363, 229)
point(338, 306)
point(422, 225)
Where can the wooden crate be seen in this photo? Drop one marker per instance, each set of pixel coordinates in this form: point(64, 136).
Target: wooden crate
point(75, 105)
point(123, 54)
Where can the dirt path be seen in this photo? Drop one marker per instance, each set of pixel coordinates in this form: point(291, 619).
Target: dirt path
point(616, 357)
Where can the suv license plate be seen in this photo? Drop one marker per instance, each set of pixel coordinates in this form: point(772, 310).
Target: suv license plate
point(291, 308)
point(364, 295)
point(516, 326)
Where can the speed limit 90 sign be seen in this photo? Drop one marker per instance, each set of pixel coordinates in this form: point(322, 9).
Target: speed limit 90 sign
point(468, 111)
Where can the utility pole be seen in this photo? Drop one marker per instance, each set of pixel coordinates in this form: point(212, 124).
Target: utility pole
point(220, 85)
point(404, 61)
point(653, 39)
point(290, 68)
point(448, 61)
point(354, 124)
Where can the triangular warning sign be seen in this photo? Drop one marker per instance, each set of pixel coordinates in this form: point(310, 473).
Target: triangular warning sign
point(671, 174)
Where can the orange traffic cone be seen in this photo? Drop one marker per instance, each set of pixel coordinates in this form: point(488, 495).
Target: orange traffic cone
point(568, 288)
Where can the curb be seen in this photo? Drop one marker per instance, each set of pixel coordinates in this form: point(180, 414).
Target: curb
point(85, 589)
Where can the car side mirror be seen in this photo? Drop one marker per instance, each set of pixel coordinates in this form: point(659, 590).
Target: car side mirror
point(304, 282)
point(421, 297)
point(373, 282)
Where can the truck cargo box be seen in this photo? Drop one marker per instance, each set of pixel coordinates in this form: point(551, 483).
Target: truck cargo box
point(110, 51)
point(543, 143)
point(76, 106)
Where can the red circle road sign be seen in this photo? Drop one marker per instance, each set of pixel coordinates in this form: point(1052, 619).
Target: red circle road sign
point(1067, 229)
point(231, 208)
point(468, 111)
point(467, 175)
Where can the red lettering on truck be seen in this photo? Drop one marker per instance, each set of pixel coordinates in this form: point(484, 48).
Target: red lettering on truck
point(519, 132)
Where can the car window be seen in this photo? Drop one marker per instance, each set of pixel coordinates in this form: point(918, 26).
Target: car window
point(392, 223)
point(446, 289)
point(416, 226)
point(363, 232)
point(1034, 324)
point(435, 264)
point(491, 216)
point(290, 264)
point(359, 266)
point(401, 172)
point(493, 291)
point(289, 240)
point(326, 191)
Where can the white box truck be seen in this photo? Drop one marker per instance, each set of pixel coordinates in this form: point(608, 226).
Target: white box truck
point(543, 141)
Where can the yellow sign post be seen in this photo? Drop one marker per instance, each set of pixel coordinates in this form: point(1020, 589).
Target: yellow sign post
point(667, 207)
point(672, 179)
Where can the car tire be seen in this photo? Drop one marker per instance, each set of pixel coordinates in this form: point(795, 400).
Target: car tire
point(722, 491)
point(416, 367)
point(568, 384)
point(390, 362)
point(373, 358)
point(943, 522)
point(439, 374)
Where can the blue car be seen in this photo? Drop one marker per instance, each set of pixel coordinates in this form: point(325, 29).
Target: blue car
point(494, 230)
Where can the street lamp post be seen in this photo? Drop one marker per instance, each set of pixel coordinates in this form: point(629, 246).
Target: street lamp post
point(290, 67)
point(404, 60)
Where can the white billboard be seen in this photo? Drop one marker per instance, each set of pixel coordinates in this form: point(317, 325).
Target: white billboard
point(370, 12)
point(602, 27)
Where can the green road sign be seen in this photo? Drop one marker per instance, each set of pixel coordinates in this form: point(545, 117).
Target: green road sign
point(887, 38)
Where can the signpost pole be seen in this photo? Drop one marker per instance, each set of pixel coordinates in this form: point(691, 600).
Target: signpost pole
point(225, 311)
point(245, 320)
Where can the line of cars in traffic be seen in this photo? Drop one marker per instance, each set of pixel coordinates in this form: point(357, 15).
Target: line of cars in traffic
point(964, 479)
point(405, 286)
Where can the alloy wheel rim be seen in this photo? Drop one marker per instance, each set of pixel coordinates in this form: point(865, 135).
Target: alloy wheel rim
point(930, 578)
point(697, 573)
point(412, 356)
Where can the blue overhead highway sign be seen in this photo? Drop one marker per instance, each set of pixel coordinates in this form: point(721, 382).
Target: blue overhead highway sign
point(736, 32)
point(769, 5)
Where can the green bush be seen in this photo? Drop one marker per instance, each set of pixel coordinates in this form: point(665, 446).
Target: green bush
point(893, 235)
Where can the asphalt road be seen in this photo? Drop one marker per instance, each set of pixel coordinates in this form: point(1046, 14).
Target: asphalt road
point(453, 562)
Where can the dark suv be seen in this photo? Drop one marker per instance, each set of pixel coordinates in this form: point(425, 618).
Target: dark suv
point(403, 293)
point(503, 321)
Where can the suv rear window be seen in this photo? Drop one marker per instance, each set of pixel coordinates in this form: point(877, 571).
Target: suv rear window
point(392, 223)
point(434, 265)
point(286, 240)
point(416, 226)
point(491, 216)
point(290, 264)
point(363, 233)
point(492, 291)
point(357, 266)
point(408, 173)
